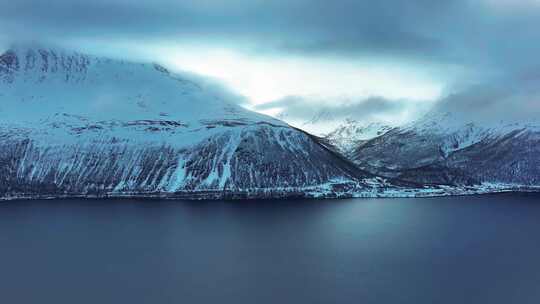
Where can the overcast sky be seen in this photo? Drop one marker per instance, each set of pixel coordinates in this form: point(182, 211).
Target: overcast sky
point(384, 59)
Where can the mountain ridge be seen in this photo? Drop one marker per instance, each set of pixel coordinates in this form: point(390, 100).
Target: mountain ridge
point(441, 149)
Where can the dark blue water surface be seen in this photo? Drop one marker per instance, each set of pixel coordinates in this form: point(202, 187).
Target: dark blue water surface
point(483, 249)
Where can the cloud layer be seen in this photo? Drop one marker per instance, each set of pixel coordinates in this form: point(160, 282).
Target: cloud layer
point(457, 31)
point(510, 99)
point(320, 116)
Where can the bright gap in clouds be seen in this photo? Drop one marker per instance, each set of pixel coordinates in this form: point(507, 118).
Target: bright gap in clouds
point(264, 79)
point(325, 83)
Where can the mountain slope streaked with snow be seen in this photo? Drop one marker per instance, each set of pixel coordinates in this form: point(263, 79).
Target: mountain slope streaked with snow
point(442, 149)
point(78, 125)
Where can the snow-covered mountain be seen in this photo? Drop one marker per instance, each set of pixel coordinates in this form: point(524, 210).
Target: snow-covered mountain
point(78, 125)
point(441, 148)
point(353, 134)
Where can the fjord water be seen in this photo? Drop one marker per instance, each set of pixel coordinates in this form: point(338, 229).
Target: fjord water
point(478, 249)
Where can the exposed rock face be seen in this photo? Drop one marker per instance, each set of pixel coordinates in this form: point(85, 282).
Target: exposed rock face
point(77, 125)
point(439, 149)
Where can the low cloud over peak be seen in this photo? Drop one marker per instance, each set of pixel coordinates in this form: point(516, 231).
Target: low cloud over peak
point(322, 115)
point(318, 47)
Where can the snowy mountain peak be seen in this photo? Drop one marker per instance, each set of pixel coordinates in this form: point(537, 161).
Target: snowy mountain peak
point(352, 133)
point(361, 131)
point(53, 81)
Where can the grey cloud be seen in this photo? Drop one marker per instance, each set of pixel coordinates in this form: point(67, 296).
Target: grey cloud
point(511, 99)
point(314, 110)
point(454, 31)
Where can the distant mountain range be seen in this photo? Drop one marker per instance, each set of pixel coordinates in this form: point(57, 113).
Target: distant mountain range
point(74, 125)
point(352, 134)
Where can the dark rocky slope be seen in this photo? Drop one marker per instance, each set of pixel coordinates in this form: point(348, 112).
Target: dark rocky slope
point(441, 150)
